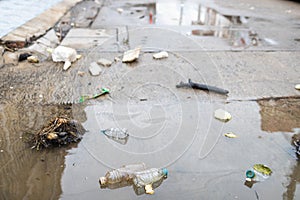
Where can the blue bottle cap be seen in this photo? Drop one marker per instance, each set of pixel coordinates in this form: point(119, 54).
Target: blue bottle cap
point(250, 174)
point(165, 171)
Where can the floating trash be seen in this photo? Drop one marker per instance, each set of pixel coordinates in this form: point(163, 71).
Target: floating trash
point(58, 132)
point(258, 173)
point(230, 135)
point(222, 115)
point(145, 179)
point(124, 173)
point(116, 134)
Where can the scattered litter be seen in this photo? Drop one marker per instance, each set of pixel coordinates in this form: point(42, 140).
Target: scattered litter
point(117, 59)
point(230, 135)
point(24, 56)
point(64, 54)
point(32, 59)
point(258, 173)
point(81, 73)
point(297, 86)
point(131, 55)
point(199, 86)
point(161, 55)
point(120, 10)
point(86, 97)
point(222, 115)
point(116, 134)
point(95, 69)
point(145, 179)
point(124, 173)
point(59, 131)
point(104, 62)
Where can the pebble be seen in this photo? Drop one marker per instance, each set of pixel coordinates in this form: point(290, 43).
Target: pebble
point(95, 69)
point(161, 55)
point(32, 59)
point(104, 62)
point(222, 115)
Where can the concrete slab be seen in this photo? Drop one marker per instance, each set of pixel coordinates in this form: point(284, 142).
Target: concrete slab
point(83, 38)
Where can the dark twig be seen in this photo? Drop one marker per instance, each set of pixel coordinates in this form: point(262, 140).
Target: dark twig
point(200, 86)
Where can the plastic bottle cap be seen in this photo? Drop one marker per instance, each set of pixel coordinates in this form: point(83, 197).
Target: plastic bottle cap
point(250, 174)
point(165, 171)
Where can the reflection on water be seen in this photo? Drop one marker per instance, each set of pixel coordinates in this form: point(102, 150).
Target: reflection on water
point(27, 173)
point(283, 115)
point(280, 115)
point(204, 21)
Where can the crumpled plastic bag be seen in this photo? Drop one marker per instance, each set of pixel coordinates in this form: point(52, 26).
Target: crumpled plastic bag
point(66, 55)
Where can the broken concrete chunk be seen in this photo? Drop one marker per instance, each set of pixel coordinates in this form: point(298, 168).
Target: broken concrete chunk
point(160, 55)
point(222, 115)
point(10, 58)
point(32, 59)
point(131, 55)
point(64, 54)
point(297, 86)
point(95, 69)
point(104, 62)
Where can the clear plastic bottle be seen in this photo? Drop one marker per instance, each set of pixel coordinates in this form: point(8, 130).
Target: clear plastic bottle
point(125, 173)
point(116, 133)
point(145, 179)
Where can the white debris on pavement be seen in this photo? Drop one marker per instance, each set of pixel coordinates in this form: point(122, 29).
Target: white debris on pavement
point(131, 55)
point(297, 86)
point(222, 115)
point(95, 69)
point(104, 62)
point(161, 55)
point(64, 54)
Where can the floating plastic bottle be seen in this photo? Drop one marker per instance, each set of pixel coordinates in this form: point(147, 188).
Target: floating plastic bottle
point(145, 179)
point(125, 173)
point(116, 134)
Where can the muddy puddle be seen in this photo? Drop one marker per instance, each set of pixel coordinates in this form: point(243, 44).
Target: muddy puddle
point(175, 130)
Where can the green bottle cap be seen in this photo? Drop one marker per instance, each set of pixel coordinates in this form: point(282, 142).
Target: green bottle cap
point(250, 174)
point(165, 171)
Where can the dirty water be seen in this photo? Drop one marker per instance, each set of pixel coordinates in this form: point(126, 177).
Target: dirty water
point(168, 128)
